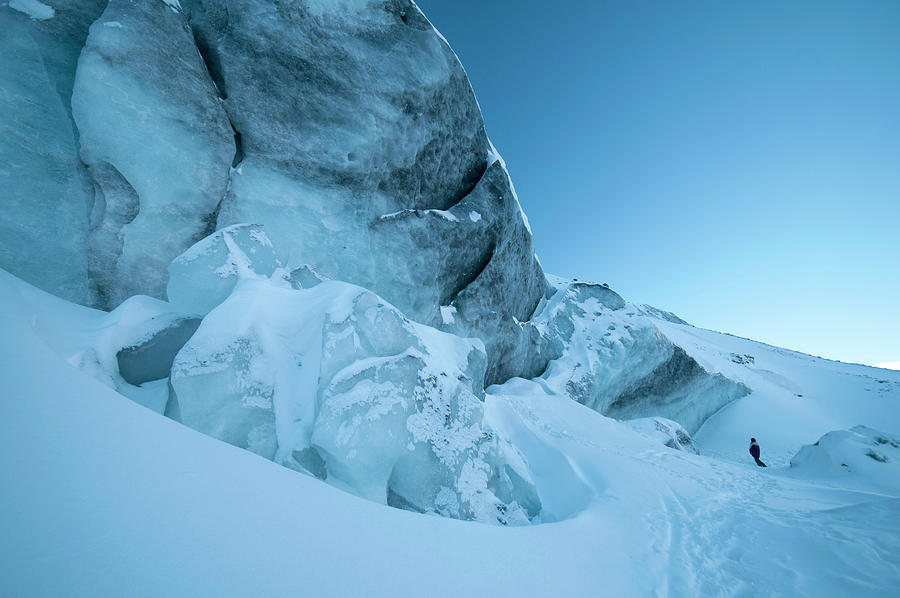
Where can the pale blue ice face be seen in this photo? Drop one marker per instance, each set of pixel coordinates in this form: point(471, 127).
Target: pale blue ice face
point(735, 163)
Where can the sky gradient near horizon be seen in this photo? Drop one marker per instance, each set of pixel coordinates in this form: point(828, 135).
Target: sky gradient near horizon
point(737, 164)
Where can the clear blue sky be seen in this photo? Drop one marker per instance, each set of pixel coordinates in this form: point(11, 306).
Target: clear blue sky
point(736, 163)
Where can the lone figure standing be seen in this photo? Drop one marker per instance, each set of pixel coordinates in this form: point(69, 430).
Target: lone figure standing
point(754, 450)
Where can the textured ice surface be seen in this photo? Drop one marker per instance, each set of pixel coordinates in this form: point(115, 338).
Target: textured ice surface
point(483, 268)
point(204, 275)
point(33, 8)
point(420, 260)
point(157, 142)
point(364, 155)
point(355, 113)
point(607, 354)
point(45, 194)
point(353, 134)
point(335, 381)
point(366, 97)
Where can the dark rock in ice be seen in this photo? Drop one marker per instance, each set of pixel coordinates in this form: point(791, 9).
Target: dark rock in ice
point(744, 360)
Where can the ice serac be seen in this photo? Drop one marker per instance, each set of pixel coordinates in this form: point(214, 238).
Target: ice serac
point(203, 276)
point(335, 381)
point(360, 95)
point(156, 140)
point(45, 193)
point(476, 263)
point(346, 112)
point(363, 152)
point(608, 354)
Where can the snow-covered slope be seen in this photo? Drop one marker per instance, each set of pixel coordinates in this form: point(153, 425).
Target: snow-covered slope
point(858, 457)
point(795, 398)
point(103, 497)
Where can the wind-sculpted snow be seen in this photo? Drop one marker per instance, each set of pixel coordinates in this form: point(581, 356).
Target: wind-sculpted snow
point(861, 458)
point(45, 193)
point(624, 512)
point(667, 432)
point(157, 142)
point(97, 485)
point(334, 381)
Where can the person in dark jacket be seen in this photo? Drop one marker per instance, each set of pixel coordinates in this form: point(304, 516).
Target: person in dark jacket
point(754, 450)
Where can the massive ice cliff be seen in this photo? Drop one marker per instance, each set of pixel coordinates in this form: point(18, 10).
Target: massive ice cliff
point(310, 248)
point(46, 192)
point(157, 143)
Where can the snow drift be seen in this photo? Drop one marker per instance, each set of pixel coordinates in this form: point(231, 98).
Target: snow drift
point(114, 498)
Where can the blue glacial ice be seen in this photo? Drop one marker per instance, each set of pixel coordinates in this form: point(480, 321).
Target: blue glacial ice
point(335, 381)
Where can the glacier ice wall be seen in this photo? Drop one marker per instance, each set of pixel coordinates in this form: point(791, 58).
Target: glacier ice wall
point(336, 382)
point(157, 141)
point(349, 130)
point(45, 193)
point(487, 281)
point(364, 155)
point(313, 181)
point(608, 355)
point(364, 96)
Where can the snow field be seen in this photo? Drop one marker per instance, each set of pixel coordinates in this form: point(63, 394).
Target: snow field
point(110, 495)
